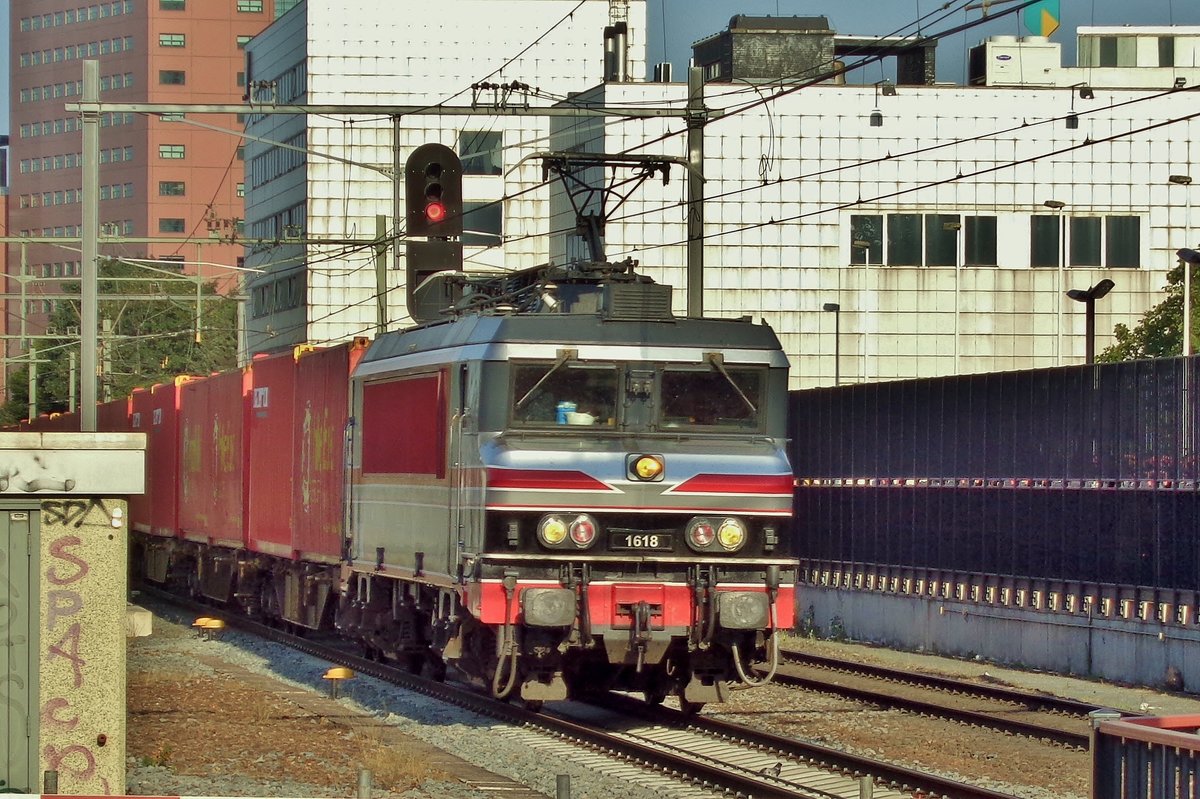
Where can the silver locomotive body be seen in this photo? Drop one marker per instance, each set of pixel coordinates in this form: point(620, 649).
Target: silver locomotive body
point(563, 502)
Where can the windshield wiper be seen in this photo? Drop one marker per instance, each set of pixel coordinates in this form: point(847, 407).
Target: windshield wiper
point(717, 361)
point(563, 357)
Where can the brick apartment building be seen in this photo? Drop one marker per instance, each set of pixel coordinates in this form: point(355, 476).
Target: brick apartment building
point(169, 189)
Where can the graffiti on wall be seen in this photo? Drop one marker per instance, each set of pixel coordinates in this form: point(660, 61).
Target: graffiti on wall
point(79, 558)
point(29, 471)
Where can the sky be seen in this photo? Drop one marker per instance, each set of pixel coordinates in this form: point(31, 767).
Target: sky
point(689, 20)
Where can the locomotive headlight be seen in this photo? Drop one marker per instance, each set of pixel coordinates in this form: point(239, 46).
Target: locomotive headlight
point(552, 530)
point(700, 533)
point(646, 468)
point(743, 610)
point(731, 534)
point(583, 530)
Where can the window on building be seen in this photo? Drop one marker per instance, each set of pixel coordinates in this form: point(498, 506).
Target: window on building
point(941, 239)
point(1123, 241)
point(1091, 241)
point(241, 79)
point(922, 239)
point(241, 189)
point(172, 5)
point(866, 239)
point(172, 77)
point(1084, 241)
point(1166, 51)
point(170, 225)
point(171, 151)
point(249, 6)
point(1044, 247)
point(483, 224)
point(1118, 51)
point(904, 240)
point(481, 152)
point(171, 188)
point(242, 41)
point(980, 241)
point(241, 153)
point(172, 40)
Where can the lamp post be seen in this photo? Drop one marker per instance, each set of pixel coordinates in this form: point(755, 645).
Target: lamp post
point(1059, 205)
point(958, 259)
point(837, 340)
point(1088, 298)
point(1189, 258)
point(1186, 180)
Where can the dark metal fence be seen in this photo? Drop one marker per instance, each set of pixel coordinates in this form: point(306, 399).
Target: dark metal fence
point(1145, 758)
point(1081, 473)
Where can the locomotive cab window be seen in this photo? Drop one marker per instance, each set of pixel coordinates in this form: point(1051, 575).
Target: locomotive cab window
point(565, 392)
point(714, 397)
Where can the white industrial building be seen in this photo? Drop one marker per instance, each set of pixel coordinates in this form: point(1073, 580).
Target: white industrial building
point(929, 215)
point(366, 53)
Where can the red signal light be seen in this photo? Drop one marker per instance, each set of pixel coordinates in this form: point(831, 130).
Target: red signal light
point(435, 211)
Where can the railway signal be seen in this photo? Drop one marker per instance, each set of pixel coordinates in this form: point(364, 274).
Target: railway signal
point(433, 192)
point(433, 209)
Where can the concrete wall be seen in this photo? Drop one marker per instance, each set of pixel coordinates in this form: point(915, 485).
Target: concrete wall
point(1140, 653)
point(78, 564)
point(84, 547)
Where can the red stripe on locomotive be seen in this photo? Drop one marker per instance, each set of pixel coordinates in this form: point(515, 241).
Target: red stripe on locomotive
point(486, 600)
point(761, 484)
point(544, 480)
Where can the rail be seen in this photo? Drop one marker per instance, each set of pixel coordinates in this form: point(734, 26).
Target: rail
point(1145, 758)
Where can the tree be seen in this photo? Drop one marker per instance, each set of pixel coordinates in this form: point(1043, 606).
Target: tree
point(1159, 334)
point(151, 341)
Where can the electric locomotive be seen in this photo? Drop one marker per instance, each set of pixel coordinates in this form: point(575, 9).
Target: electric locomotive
point(562, 488)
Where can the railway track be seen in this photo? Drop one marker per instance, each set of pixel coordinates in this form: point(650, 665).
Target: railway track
point(1049, 718)
point(691, 755)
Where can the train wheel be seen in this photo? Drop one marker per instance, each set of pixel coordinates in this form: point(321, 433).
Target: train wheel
point(690, 708)
point(533, 705)
point(435, 669)
point(654, 696)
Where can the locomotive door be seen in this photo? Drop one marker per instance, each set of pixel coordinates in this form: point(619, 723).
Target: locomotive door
point(463, 461)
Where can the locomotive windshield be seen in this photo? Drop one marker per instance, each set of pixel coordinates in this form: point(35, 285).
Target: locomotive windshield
point(566, 392)
point(637, 396)
point(711, 397)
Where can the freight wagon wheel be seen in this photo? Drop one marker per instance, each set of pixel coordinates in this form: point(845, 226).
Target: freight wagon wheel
point(654, 696)
point(690, 708)
point(533, 705)
point(434, 669)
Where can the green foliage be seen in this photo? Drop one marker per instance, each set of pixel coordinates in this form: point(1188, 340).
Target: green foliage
point(151, 341)
point(1159, 334)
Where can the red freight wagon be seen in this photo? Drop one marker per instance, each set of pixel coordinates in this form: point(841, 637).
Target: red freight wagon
point(270, 431)
point(155, 412)
point(322, 412)
point(113, 416)
point(212, 420)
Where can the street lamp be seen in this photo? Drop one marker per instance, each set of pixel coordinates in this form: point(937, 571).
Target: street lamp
point(1190, 258)
point(1059, 205)
point(1186, 180)
point(1088, 298)
point(837, 340)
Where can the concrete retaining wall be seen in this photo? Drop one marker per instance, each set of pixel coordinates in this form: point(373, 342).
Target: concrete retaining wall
point(1133, 652)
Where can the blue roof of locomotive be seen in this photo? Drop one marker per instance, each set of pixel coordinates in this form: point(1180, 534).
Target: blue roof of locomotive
point(545, 328)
